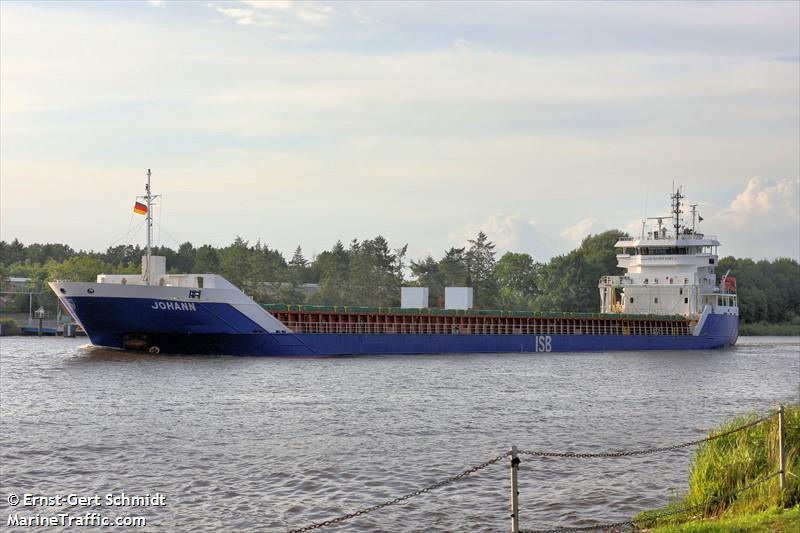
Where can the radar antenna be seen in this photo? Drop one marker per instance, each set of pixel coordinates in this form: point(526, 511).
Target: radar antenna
point(676, 210)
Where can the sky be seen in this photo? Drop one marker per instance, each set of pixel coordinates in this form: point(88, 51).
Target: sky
point(302, 123)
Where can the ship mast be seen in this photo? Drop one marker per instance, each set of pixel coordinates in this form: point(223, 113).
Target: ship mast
point(148, 198)
point(676, 211)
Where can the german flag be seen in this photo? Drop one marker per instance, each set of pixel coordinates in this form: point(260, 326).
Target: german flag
point(139, 208)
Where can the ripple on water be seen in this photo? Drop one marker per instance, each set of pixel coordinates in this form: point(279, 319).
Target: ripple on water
point(251, 443)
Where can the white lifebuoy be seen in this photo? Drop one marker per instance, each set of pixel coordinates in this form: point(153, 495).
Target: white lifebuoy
point(155, 350)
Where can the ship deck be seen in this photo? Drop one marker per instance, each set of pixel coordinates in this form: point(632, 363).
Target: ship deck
point(356, 319)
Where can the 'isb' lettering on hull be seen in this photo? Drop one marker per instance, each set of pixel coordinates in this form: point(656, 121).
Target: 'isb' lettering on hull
point(174, 306)
point(544, 343)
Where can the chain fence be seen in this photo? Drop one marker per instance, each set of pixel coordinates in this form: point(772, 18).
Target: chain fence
point(634, 524)
point(648, 451)
point(399, 499)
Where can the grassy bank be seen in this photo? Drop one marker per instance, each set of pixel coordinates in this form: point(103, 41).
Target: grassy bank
point(774, 520)
point(769, 330)
point(726, 465)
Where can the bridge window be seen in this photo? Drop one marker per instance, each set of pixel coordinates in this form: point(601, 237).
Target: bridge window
point(686, 300)
point(655, 300)
point(199, 282)
point(631, 299)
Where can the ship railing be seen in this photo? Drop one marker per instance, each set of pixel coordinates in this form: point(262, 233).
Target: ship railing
point(697, 237)
point(644, 327)
point(615, 281)
point(669, 236)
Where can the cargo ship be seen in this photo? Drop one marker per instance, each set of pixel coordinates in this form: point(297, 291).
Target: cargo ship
point(668, 299)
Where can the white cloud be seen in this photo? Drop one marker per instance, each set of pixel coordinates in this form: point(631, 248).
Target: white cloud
point(512, 233)
point(763, 199)
point(359, 16)
point(293, 19)
point(761, 221)
point(455, 135)
point(575, 234)
point(156, 3)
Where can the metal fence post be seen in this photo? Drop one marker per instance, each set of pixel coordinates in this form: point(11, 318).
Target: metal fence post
point(781, 453)
point(514, 491)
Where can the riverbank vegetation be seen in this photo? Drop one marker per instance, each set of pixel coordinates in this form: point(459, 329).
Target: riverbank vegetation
point(771, 521)
point(9, 326)
point(722, 468)
point(370, 272)
point(791, 327)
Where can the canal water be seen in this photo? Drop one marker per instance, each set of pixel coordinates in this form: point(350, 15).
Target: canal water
point(262, 444)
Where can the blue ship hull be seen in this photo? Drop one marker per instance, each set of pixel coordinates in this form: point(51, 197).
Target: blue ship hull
point(218, 328)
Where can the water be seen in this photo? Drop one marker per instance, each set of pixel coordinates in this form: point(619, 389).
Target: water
point(272, 444)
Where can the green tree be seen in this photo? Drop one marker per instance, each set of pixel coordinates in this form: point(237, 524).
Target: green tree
point(267, 273)
point(516, 275)
point(427, 274)
point(453, 267)
point(298, 267)
point(480, 270)
point(42, 253)
point(206, 260)
point(124, 255)
point(80, 268)
point(569, 282)
point(185, 258)
point(375, 272)
point(769, 291)
point(12, 252)
point(235, 262)
point(333, 267)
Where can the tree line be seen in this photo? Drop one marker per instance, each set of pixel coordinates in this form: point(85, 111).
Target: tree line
point(370, 272)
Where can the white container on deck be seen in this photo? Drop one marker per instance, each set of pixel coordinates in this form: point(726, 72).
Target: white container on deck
point(458, 298)
point(414, 297)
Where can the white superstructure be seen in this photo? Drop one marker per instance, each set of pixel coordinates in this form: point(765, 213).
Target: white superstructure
point(670, 270)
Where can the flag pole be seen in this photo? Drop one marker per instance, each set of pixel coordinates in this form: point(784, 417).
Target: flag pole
point(148, 199)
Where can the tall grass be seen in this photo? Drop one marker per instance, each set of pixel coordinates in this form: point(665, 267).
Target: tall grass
point(727, 464)
point(734, 461)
